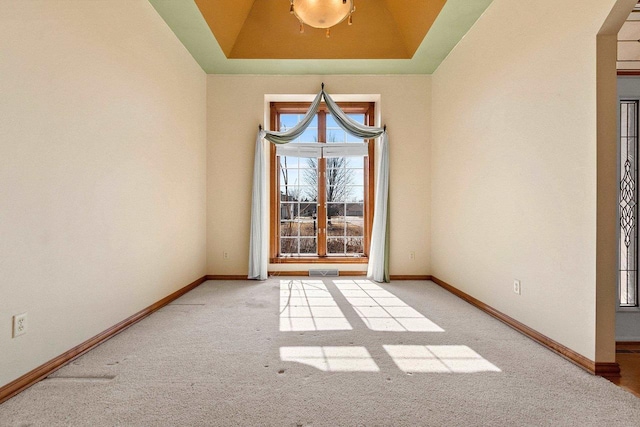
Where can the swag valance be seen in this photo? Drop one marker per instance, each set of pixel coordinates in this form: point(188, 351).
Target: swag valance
point(378, 268)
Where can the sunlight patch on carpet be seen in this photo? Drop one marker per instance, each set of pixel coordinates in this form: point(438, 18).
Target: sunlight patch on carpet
point(380, 310)
point(439, 359)
point(331, 359)
point(307, 305)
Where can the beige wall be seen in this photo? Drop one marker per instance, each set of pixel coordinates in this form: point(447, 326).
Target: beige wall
point(236, 105)
point(102, 170)
point(514, 192)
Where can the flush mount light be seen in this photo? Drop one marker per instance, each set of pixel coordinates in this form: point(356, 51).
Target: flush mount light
point(322, 13)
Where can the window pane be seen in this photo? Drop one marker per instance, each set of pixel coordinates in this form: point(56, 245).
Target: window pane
point(308, 177)
point(337, 162)
point(357, 117)
point(309, 194)
point(290, 162)
point(288, 176)
point(331, 122)
point(336, 135)
point(309, 135)
point(354, 245)
point(289, 228)
point(335, 245)
point(335, 209)
point(338, 175)
point(354, 162)
point(308, 246)
point(340, 193)
point(309, 163)
point(290, 120)
point(288, 246)
point(357, 176)
point(307, 210)
point(335, 226)
point(356, 193)
point(288, 193)
point(339, 179)
point(355, 219)
point(308, 228)
point(288, 210)
point(287, 121)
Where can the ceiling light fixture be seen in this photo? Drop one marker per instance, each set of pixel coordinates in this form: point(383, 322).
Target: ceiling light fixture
point(322, 13)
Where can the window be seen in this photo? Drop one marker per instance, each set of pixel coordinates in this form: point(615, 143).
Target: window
point(628, 205)
point(321, 188)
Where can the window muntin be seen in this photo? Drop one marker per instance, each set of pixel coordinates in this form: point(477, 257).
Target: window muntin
point(335, 227)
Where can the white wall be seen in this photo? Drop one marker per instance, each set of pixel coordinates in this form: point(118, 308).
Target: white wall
point(514, 155)
point(102, 170)
point(627, 319)
point(236, 107)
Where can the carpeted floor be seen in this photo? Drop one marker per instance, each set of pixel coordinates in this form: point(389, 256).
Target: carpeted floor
point(335, 352)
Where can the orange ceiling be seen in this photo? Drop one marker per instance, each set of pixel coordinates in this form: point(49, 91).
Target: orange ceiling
point(264, 29)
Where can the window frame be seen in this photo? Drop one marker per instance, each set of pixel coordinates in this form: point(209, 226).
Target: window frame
point(619, 304)
point(277, 108)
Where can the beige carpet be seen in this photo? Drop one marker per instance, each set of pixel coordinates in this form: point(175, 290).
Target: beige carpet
point(323, 353)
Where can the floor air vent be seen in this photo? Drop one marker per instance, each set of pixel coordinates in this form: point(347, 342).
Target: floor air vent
point(323, 273)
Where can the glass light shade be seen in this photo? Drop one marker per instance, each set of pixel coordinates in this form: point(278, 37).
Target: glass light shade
point(322, 13)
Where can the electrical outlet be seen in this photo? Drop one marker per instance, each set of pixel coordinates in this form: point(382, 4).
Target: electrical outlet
point(517, 287)
point(412, 255)
point(19, 324)
point(225, 255)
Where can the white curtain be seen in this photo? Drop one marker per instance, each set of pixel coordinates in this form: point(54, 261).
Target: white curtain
point(379, 252)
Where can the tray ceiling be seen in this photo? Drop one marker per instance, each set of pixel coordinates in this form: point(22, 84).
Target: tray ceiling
point(264, 29)
point(262, 37)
